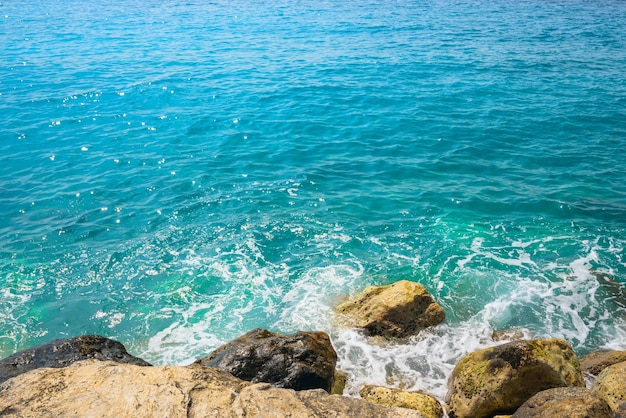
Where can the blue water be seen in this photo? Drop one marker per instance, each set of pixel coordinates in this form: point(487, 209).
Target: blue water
point(174, 175)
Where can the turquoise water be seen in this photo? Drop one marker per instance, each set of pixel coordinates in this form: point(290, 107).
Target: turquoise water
point(174, 175)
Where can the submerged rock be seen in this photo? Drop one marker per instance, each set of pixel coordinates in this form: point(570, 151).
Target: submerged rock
point(571, 402)
point(397, 310)
point(611, 291)
point(499, 379)
point(508, 335)
point(63, 352)
point(304, 360)
point(594, 363)
point(611, 386)
point(426, 404)
point(108, 389)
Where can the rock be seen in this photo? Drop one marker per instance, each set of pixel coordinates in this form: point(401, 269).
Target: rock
point(594, 363)
point(108, 389)
point(63, 352)
point(263, 400)
point(507, 335)
point(339, 384)
point(611, 386)
point(422, 402)
point(305, 360)
point(571, 402)
point(611, 290)
point(394, 311)
point(499, 379)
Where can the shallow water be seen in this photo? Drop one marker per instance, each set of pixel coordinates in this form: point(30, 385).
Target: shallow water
point(175, 175)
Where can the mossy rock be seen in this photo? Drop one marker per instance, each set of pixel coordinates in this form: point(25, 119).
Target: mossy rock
point(611, 386)
point(339, 384)
point(570, 402)
point(426, 404)
point(499, 379)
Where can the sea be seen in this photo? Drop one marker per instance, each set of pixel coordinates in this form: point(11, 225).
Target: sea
point(174, 174)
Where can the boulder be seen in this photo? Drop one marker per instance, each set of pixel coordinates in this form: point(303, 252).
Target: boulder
point(264, 400)
point(108, 389)
point(394, 311)
point(499, 379)
point(611, 386)
point(422, 402)
point(594, 363)
point(63, 352)
point(305, 360)
point(571, 402)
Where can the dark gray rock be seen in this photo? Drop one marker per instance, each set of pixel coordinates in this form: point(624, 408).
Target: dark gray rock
point(63, 352)
point(571, 402)
point(304, 360)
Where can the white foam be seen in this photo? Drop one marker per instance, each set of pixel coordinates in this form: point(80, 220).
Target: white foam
point(422, 363)
point(308, 304)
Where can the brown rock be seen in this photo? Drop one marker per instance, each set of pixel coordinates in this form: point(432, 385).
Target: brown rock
point(499, 379)
point(304, 360)
point(108, 389)
point(397, 310)
point(611, 386)
point(571, 402)
point(594, 363)
point(422, 402)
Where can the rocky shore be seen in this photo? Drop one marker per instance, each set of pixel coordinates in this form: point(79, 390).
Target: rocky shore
point(266, 374)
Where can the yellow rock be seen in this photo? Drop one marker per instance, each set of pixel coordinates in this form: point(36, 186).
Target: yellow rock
point(397, 310)
point(611, 386)
point(594, 363)
point(339, 383)
point(422, 402)
point(501, 378)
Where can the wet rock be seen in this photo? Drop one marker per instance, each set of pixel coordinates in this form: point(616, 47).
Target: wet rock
point(305, 360)
point(104, 388)
point(426, 404)
point(611, 291)
point(611, 386)
point(594, 363)
point(394, 311)
point(571, 402)
point(499, 379)
point(339, 385)
point(508, 335)
point(63, 352)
